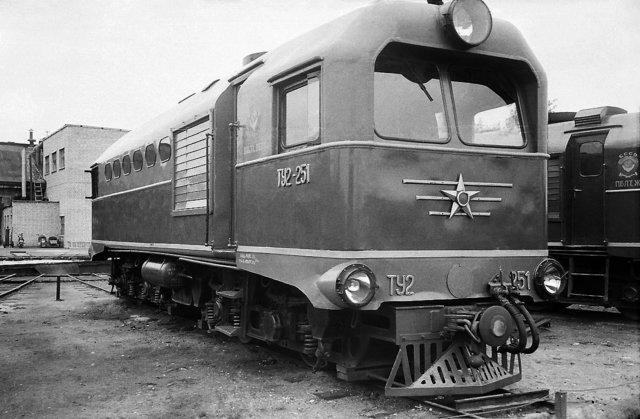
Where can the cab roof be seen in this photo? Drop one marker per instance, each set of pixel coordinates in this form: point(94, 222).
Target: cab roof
point(354, 39)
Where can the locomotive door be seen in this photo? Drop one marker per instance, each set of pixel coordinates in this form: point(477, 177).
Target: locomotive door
point(585, 189)
point(222, 173)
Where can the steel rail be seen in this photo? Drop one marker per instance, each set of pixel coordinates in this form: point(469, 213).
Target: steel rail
point(24, 284)
point(457, 413)
point(7, 277)
point(91, 285)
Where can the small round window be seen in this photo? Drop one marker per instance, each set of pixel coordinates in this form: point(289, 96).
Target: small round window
point(137, 160)
point(126, 165)
point(107, 172)
point(116, 169)
point(164, 149)
point(150, 155)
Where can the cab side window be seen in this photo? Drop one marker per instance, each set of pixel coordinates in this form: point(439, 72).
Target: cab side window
point(300, 112)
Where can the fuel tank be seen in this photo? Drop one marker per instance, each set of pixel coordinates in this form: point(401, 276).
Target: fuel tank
point(162, 273)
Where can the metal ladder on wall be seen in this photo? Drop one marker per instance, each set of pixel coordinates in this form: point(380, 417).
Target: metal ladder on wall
point(37, 185)
point(38, 192)
point(577, 275)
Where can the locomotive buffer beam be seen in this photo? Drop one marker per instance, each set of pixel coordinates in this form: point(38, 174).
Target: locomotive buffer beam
point(452, 373)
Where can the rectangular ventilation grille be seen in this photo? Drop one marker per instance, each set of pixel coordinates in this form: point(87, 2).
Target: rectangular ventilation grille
point(553, 185)
point(588, 120)
point(190, 162)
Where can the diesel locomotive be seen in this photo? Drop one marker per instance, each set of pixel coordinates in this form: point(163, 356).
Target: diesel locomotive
point(370, 194)
point(594, 206)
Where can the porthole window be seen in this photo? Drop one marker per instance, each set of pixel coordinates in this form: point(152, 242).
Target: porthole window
point(137, 160)
point(164, 149)
point(150, 155)
point(126, 165)
point(107, 172)
point(116, 169)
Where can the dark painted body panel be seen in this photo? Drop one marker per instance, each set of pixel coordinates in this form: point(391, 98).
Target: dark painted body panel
point(620, 191)
point(144, 216)
point(222, 171)
point(435, 279)
point(356, 200)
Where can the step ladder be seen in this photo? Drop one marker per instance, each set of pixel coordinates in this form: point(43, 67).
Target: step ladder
point(38, 192)
point(229, 329)
point(578, 272)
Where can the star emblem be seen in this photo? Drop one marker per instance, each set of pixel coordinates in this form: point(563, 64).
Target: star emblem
point(460, 198)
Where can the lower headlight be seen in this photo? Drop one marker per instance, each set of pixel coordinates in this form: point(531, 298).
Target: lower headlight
point(550, 278)
point(356, 285)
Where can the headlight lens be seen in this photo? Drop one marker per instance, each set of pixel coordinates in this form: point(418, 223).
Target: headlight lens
point(356, 285)
point(550, 278)
point(469, 21)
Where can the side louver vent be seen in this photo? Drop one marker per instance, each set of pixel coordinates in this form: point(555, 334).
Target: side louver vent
point(595, 116)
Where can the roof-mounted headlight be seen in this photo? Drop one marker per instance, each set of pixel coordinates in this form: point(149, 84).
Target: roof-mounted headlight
point(356, 285)
point(469, 21)
point(550, 278)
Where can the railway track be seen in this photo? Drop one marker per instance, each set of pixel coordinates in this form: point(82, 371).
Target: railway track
point(17, 277)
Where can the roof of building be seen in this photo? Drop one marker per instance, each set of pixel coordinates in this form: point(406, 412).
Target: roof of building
point(81, 126)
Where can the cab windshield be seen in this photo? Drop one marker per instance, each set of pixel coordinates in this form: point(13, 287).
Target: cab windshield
point(411, 90)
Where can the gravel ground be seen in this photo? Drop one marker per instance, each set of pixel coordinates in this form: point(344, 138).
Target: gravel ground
point(94, 356)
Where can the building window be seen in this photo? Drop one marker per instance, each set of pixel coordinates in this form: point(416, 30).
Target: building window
point(190, 166)
point(46, 165)
point(54, 162)
point(164, 149)
point(61, 159)
point(137, 160)
point(300, 110)
point(126, 165)
point(150, 155)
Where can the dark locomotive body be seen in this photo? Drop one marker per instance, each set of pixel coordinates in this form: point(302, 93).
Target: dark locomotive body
point(594, 206)
point(341, 196)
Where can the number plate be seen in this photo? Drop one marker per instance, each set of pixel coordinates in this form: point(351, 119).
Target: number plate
point(300, 175)
point(400, 284)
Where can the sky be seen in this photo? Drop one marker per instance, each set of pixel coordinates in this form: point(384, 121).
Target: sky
point(119, 63)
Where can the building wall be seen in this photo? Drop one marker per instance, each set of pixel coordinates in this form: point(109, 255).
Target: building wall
point(11, 161)
point(32, 219)
point(5, 224)
point(70, 185)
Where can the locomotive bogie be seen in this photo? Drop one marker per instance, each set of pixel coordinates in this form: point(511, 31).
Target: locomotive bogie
point(362, 344)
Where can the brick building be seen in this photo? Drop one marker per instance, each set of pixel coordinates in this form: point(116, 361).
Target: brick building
point(63, 158)
point(18, 179)
point(31, 219)
point(67, 155)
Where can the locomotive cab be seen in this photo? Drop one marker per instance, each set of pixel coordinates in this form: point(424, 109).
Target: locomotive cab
point(594, 187)
point(370, 194)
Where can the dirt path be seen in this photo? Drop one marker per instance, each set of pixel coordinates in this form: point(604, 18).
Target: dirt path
point(94, 356)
